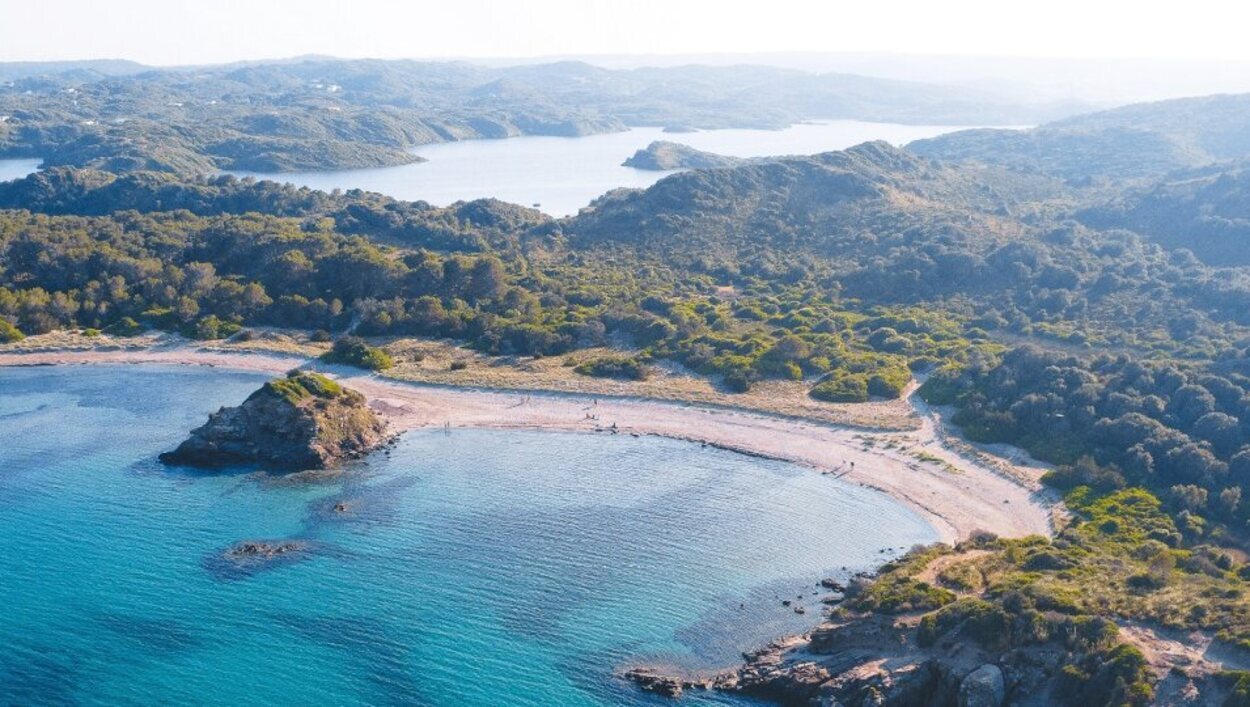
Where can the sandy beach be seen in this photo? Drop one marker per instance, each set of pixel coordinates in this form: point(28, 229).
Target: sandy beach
point(955, 486)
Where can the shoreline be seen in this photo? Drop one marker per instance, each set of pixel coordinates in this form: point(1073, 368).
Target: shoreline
point(956, 488)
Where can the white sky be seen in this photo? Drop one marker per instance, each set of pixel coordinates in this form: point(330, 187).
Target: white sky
point(207, 31)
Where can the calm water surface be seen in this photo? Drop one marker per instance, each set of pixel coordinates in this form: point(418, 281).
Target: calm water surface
point(16, 169)
point(563, 174)
point(476, 568)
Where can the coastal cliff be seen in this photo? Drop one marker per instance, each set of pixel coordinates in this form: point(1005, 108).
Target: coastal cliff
point(302, 421)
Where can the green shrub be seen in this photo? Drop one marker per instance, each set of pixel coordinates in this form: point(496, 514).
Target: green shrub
point(619, 367)
point(1117, 676)
point(9, 333)
point(738, 380)
point(353, 351)
point(211, 327)
point(298, 385)
point(986, 623)
point(889, 382)
point(125, 326)
point(1239, 694)
point(841, 388)
point(894, 593)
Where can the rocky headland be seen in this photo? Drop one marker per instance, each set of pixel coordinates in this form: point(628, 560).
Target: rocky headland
point(301, 421)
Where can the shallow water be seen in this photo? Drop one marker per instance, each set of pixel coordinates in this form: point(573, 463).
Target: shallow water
point(471, 568)
point(16, 169)
point(563, 174)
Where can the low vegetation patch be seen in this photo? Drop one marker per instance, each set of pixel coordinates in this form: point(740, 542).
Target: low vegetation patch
point(299, 385)
point(354, 351)
point(9, 333)
point(620, 367)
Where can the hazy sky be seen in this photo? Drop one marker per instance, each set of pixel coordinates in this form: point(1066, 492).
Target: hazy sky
point(202, 31)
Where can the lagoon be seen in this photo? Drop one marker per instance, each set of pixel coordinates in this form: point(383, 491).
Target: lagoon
point(472, 568)
point(564, 174)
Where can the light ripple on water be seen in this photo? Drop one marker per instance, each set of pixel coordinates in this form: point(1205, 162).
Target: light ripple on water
point(470, 566)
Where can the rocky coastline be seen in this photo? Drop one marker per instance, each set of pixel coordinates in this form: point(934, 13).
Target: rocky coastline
point(862, 661)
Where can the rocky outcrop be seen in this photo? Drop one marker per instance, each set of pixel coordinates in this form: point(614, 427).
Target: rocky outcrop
point(867, 660)
point(302, 421)
point(662, 155)
point(652, 681)
point(982, 687)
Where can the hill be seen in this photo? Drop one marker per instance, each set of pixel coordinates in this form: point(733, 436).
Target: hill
point(1139, 141)
point(1206, 211)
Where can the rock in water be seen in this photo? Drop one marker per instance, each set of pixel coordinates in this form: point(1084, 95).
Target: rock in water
point(302, 421)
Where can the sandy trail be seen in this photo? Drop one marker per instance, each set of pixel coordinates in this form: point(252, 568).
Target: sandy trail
point(956, 488)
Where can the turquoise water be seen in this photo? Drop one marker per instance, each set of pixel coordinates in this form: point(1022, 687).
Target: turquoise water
point(471, 568)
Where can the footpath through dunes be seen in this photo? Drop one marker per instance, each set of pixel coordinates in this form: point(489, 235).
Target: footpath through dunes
point(957, 488)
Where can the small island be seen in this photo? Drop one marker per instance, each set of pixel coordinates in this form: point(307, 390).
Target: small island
point(663, 155)
point(302, 421)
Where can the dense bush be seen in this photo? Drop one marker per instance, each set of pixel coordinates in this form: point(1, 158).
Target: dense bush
point(841, 388)
point(1111, 422)
point(354, 351)
point(622, 367)
point(9, 333)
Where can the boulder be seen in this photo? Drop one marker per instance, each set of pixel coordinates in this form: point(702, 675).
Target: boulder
point(983, 687)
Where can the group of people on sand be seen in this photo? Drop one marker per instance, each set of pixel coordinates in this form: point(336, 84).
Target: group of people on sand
point(594, 403)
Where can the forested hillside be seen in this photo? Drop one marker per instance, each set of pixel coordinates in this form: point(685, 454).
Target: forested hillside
point(1139, 141)
point(1206, 211)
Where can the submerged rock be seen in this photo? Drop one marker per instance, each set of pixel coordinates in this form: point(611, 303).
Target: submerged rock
point(302, 421)
point(244, 559)
point(264, 550)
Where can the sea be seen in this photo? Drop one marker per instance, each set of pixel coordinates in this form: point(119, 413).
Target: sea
point(461, 568)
